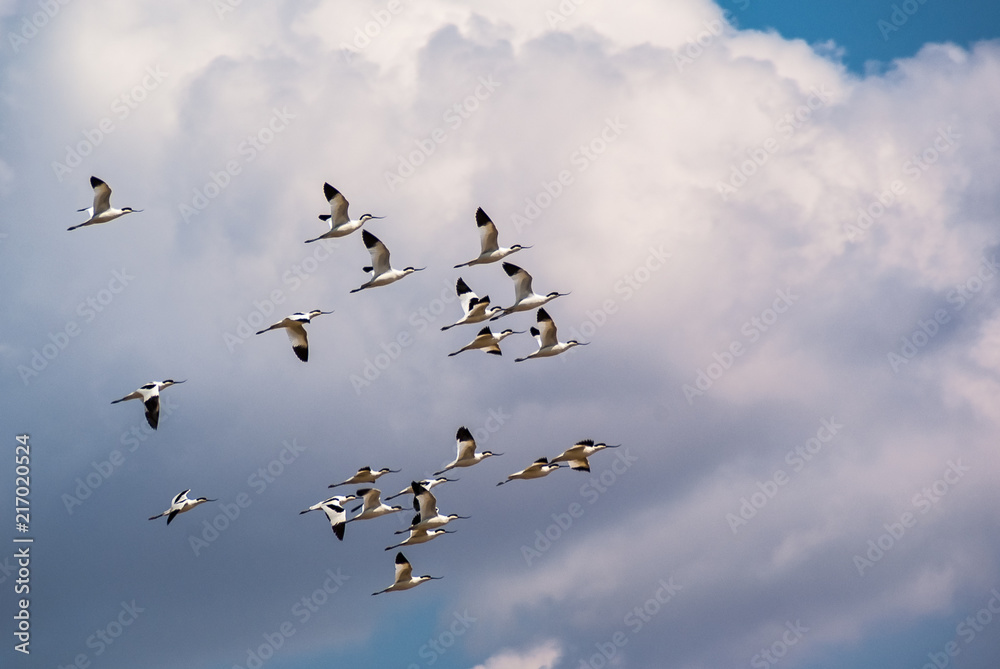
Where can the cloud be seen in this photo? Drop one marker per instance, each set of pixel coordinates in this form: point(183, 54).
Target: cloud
point(542, 656)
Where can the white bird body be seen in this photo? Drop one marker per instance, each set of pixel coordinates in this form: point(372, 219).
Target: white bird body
point(373, 506)
point(525, 298)
point(102, 211)
point(341, 224)
point(404, 577)
point(577, 454)
point(536, 470)
point(428, 516)
point(382, 272)
point(490, 249)
point(180, 504)
point(294, 325)
point(150, 396)
point(467, 455)
point(420, 537)
point(365, 475)
point(548, 342)
point(487, 341)
point(475, 309)
point(426, 483)
point(333, 507)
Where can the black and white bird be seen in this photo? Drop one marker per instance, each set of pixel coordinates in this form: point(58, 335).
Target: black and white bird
point(428, 517)
point(490, 251)
point(150, 396)
point(467, 455)
point(525, 298)
point(333, 507)
point(295, 327)
point(365, 475)
point(420, 537)
point(475, 309)
point(426, 483)
point(577, 454)
point(373, 505)
point(382, 272)
point(404, 577)
point(102, 211)
point(341, 224)
point(536, 470)
point(487, 341)
point(180, 504)
point(548, 343)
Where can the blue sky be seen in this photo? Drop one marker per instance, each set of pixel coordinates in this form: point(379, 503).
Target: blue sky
point(778, 235)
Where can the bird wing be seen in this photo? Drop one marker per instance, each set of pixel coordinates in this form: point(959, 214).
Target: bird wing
point(403, 569)
point(547, 330)
point(522, 281)
point(180, 497)
point(487, 232)
point(580, 465)
point(428, 504)
point(466, 444)
point(373, 498)
point(102, 196)
point(379, 253)
point(338, 206)
point(300, 341)
point(152, 403)
point(465, 295)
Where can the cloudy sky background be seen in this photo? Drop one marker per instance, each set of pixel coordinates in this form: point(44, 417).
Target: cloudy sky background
point(707, 177)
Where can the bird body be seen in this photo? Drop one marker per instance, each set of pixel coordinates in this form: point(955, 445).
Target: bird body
point(102, 211)
point(341, 224)
point(475, 309)
point(525, 298)
point(428, 516)
point(420, 537)
point(467, 455)
point(180, 504)
point(382, 272)
point(404, 577)
point(536, 470)
point(150, 396)
point(373, 506)
point(487, 341)
point(577, 454)
point(365, 475)
point(333, 507)
point(426, 483)
point(548, 341)
point(490, 250)
point(294, 325)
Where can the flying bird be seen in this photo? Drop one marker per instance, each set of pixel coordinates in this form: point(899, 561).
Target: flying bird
point(334, 510)
point(548, 343)
point(382, 272)
point(487, 341)
point(577, 454)
point(365, 475)
point(150, 396)
point(491, 251)
point(475, 309)
point(420, 537)
point(525, 298)
point(102, 211)
point(427, 517)
point(373, 506)
point(426, 483)
point(467, 455)
point(404, 577)
point(341, 224)
point(295, 326)
point(539, 468)
point(180, 504)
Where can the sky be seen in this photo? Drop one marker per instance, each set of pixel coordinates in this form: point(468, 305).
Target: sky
point(777, 230)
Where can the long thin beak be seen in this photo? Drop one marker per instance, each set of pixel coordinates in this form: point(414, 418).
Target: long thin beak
point(305, 511)
point(615, 446)
point(378, 216)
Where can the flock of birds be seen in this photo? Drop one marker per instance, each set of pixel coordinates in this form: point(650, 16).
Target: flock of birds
point(428, 523)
